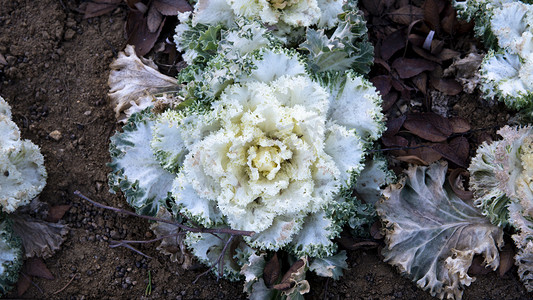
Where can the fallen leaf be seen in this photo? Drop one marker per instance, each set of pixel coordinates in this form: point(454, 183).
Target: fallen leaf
point(138, 33)
point(172, 7)
point(405, 15)
point(456, 183)
point(456, 151)
point(459, 125)
point(36, 267)
point(425, 153)
point(477, 267)
point(381, 62)
point(375, 230)
point(389, 100)
point(416, 39)
point(426, 54)
point(382, 83)
point(97, 8)
point(392, 43)
point(432, 9)
point(449, 20)
point(447, 54)
point(420, 81)
point(429, 126)
point(412, 159)
point(285, 283)
point(3, 60)
point(409, 67)
point(153, 19)
point(447, 86)
point(56, 213)
point(23, 284)
point(394, 141)
point(506, 259)
point(394, 125)
point(272, 270)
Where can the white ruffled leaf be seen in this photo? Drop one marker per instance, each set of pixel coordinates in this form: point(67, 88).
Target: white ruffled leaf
point(330, 266)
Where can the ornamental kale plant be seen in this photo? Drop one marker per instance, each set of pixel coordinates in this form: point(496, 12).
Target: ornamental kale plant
point(501, 177)
point(260, 138)
point(506, 26)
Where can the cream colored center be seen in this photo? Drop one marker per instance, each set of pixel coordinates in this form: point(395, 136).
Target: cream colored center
point(266, 159)
point(281, 4)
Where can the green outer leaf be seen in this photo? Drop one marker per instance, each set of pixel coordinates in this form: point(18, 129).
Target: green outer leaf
point(432, 235)
point(135, 169)
point(10, 255)
point(331, 266)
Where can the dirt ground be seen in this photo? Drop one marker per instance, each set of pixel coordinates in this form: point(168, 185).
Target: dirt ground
point(55, 79)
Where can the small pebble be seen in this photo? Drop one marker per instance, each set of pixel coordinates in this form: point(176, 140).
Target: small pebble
point(56, 135)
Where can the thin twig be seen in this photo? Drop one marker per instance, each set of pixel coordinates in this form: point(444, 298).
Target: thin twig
point(34, 284)
point(63, 288)
point(128, 246)
point(184, 227)
point(219, 262)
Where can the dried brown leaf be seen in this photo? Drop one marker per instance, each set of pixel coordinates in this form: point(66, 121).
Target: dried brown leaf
point(285, 283)
point(432, 9)
point(389, 100)
point(506, 259)
point(56, 213)
point(412, 159)
point(392, 44)
point(138, 33)
point(449, 20)
point(456, 182)
point(394, 125)
point(459, 125)
point(374, 7)
point(405, 15)
point(272, 271)
point(394, 141)
point(447, 86)
point(477, 267)
point(426, 54)
point(172, 7)
point(447, 54)
point(375, 231)
point(456, 151)
point(425, 153)
point(97, 8)
point(35, 267)
point(382, 83)
point(429, 126)
point(3, 60)
point(153, 19)
point(381, 62)
point(23, 284)
point(409, 67)
point(421, 81)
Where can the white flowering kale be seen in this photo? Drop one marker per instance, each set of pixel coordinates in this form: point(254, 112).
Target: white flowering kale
point(507, 28)
point(10, 255)
point(501, 178)
point(432, 235)
point(22, 172)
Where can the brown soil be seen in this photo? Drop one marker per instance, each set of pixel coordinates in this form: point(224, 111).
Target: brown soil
point(56, 80)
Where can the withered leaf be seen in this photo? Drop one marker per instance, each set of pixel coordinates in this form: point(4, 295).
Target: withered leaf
point(459, 125)
point(426, 54)
point(153, 19)
point(409, 67)
point(272, 271)
point(446, 85)
point(447, 54)
point(381, 62)
point(406, 14)
point(172, 7)
point(389, 100)
point(420, 81)
point(374, 7)
point(429, 126)
point(456, 151)
point(394, 141)
point(392, 43)
point(23, 284)
point(3, 60)
point(97, 8)
point(375, 231)
point(35, 267)
point(506, 259)
point(382, 83)
point(285, 283)
point(138, 33)
point(455, 181)
point(56, 213)
point(477, 267)
point(394, 125)
point(412, 159)
point(425, 153)
point(449, 20)
point(351, 243)
point(432, 9)
point(416, 39)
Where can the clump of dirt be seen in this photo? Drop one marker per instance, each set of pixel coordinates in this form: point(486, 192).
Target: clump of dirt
point(55, 78)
